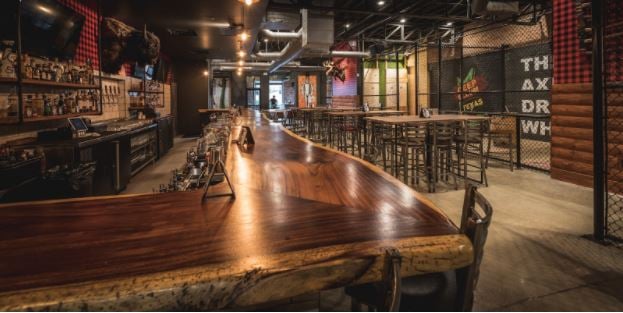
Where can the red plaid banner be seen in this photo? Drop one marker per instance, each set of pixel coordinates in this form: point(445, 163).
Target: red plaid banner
point(87, 46)
point(571, 65)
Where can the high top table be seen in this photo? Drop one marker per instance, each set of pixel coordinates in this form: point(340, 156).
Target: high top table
point(306, 218)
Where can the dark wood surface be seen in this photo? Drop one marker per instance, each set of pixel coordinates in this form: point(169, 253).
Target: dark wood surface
point(292, 196)
point(215, 110)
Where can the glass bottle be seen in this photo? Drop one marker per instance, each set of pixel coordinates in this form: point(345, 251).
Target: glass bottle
point(28, 106)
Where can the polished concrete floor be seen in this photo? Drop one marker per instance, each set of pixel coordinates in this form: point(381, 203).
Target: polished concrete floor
point(536, 258)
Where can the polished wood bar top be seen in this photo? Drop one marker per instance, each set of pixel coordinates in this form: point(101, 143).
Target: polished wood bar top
point(306, 218)
point(214, 110)
point(320, 109)
point(369, 113)
point(414, 119)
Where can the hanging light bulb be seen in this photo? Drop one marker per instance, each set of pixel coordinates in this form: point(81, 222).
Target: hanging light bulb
point(244, 36)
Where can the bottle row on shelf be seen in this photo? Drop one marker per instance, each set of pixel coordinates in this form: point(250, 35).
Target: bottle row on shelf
point(146, 100)
point(43, 69)
point(61, 103)
point(147, 86)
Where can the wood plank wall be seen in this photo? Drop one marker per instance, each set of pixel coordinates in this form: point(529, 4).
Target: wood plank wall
point(572, 133)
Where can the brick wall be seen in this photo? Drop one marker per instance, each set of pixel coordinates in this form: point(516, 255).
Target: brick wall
point(349, 86)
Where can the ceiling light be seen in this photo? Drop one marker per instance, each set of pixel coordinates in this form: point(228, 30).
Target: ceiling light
point(244, 36)
point(403, 20)
point(249, 2)
point(449, 24)
point(205, 73)
point(347, 25)
point(381, 2)
point(241, 62)
point(265, 39)
point(241, 54)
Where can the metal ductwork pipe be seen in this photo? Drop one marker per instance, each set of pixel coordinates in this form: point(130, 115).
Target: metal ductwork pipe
point(273, 55)
point(263, 68)
point(350, 54)
point(282, 35)
point(254, 64)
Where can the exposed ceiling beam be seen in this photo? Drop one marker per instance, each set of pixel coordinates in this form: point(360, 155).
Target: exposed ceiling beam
point(432, 17)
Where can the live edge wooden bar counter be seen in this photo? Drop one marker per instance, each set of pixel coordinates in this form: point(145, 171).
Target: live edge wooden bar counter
point(305, 219)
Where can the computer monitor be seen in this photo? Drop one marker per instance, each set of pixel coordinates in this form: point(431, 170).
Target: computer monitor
point(77, 124)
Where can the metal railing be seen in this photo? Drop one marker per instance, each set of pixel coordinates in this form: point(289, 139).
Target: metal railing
point(529, 139)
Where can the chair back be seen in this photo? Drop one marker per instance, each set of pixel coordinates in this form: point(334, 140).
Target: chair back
point(416, 133)
point(475, 226)
point(443, 133)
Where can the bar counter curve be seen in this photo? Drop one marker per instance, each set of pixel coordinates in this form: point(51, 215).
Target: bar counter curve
point(306, 218)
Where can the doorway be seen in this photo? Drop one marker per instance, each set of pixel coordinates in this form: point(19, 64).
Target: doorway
point(253, 98)
point(275, 91)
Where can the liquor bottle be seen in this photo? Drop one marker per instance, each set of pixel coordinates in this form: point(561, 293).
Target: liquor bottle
point(29, 106)
point(36, 71)
point(90, 75)
point(68, 69)
point(47, 109)
point(61, 104)
point(27, 68)
point(37, 103)
point(60, 108)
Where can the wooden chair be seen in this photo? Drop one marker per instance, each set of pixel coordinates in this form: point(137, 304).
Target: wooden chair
point(470, 142)
point(501, 135)
point(448, 291)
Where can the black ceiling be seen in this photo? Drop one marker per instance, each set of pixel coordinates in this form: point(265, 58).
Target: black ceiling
point(199, 16)
point(400, 22)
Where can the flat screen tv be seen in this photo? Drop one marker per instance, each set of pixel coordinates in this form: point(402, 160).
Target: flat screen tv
point(147, 70)
point(50, 29)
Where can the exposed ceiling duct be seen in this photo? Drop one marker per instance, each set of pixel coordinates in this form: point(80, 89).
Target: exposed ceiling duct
point(314, 38)
point(350, 54)
point(497, 7)
point(250, 67)
point(282, 35)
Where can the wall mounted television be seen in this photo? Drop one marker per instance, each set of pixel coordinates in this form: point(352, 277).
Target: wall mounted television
point(147, 70)
point(50, 29)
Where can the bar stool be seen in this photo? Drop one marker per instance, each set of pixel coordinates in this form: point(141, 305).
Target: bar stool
point(470, 142)
point(348, 128)
point(298, 122)
point(412, 146)
point(443, 166)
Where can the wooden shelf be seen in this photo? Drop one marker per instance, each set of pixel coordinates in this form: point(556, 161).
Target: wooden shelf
point(56, 117)
point(9, 120)
point(47, 83)
point(8, 80)
point(147, 91)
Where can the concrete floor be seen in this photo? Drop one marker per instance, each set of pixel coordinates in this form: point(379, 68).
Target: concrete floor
point(536, 258)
